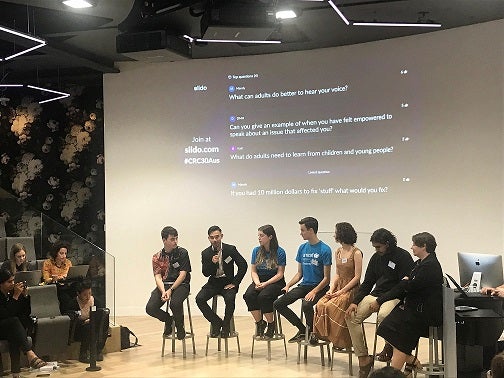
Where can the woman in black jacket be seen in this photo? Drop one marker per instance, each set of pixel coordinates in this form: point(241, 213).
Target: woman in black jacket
point(14, 315)
point(421, 304)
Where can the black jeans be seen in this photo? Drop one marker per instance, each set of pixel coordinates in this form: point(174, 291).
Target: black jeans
point(263, 299)
point(282, 303)
point(178, 296)
point(83, 331)
point(207, 292)
point(13, 331)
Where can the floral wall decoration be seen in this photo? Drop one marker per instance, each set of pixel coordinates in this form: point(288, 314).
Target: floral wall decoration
point(51, 159)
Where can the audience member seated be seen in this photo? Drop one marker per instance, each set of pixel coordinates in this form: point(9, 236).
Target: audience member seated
point(497, 366)
point(267, 270)
point(494, 291)
point(82, 327)
point(421, 305)
point(14, 321)
point(56, 267)
point(329, 323)
point(17, 259)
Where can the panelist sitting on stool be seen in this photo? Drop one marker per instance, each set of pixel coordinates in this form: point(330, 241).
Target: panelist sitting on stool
point(314, 269)
point(388, 265)
point(421, 304)
point(218, 264)
point(171, 267)
point(267, 270)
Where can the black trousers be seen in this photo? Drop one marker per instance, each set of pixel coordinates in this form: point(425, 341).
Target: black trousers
point(263, 299)
point(209, 291)
point(282, 303)
point(12, 330)
point(178, 296)
point(83, 331)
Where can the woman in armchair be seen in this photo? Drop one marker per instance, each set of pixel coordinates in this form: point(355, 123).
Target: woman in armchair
point(14, 315)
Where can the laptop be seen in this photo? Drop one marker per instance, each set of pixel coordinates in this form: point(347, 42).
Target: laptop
point(77, 271)
point(31, 277)
point(462, 292)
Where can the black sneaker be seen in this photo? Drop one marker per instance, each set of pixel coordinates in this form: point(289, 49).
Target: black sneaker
point(314, 340)
point(270, 331)
point(181, 333)
point(216, 330)
point(298, 337)
point(167, 328)
point(260, 327)
point(225, 331)
point(84, 358)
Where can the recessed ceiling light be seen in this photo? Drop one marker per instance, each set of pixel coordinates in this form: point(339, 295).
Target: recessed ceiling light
point(285, 14)
point(79, 4)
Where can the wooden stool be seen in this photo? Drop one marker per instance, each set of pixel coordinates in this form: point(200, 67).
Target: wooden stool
point(277, 335)
point(232, 332)
point(172, 336)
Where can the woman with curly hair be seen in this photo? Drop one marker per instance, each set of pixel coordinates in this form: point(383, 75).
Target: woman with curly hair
point(329, 323)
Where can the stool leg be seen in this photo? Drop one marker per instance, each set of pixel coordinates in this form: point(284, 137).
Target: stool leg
point(191, 325)
point(279, 324)
point(173, 337)
point(238, 342)
point(162, 349)
point(332, 359)
point(350, 363)
point(269, 350)
point(374, 345)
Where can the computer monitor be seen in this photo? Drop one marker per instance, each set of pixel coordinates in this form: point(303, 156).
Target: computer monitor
point(490, 267)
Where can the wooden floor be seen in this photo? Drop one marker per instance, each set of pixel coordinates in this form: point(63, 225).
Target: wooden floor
point(146, 361)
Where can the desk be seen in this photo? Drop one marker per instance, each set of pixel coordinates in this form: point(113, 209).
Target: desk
point(477, 333)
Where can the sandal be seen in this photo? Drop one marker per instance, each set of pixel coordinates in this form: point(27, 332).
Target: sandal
point(37, 363)
point(414, 365)
point(365, 369)
point(386, 354)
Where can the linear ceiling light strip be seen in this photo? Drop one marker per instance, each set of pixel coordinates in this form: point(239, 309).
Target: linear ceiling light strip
point(40, 42)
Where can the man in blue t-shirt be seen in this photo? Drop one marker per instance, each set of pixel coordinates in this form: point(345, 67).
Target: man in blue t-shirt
point(314, 260)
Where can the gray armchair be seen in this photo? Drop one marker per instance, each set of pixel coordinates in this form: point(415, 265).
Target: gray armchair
point(51, 328)
point(3, 249)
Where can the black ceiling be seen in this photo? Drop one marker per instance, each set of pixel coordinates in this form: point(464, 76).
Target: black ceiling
point(83, 42)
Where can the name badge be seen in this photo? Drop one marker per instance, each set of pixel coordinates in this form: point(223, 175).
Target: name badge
point(228, 259)
point(344, 260)
point(176, 265)
point(391, 264)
